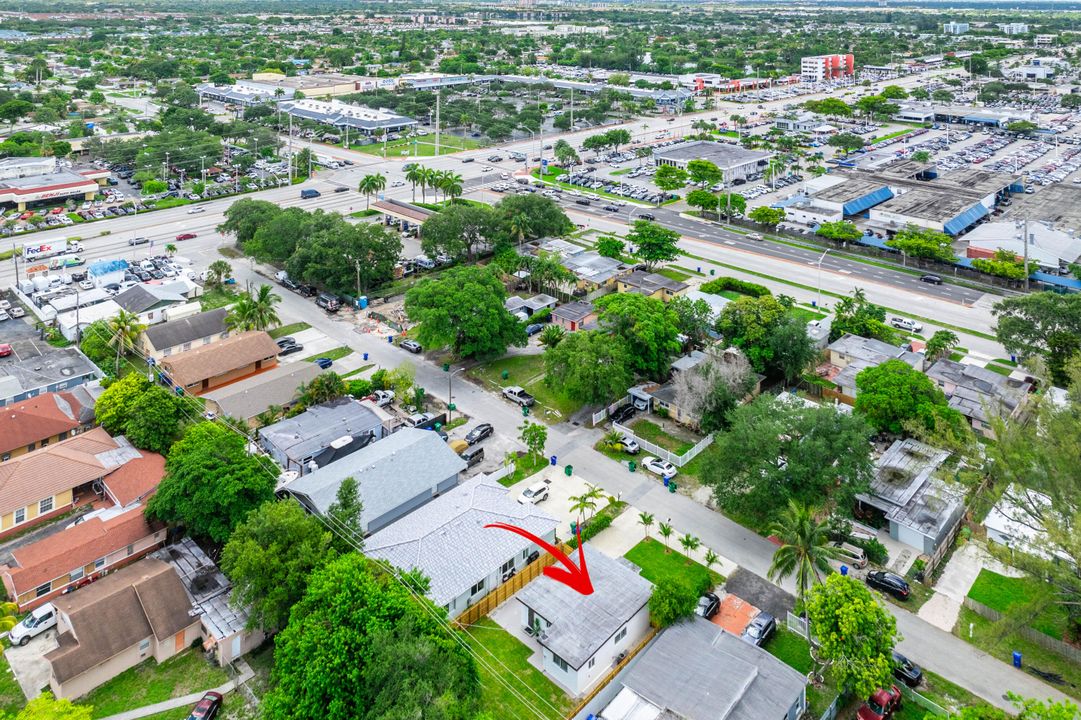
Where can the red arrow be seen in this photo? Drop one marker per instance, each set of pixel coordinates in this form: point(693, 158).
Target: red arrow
point(576, 578)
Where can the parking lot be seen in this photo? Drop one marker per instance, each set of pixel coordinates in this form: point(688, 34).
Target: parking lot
point(23, 339)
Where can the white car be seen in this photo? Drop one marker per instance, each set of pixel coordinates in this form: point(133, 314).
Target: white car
point(382, 398)
point(659, 467)
point(196, 210)
point(535, 493)
point(628, 445)
point(37, 622)
point(906, 324)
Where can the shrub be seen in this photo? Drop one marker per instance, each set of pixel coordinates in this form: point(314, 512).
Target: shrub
point(876, 551)
point(541, 316)
point(358, 388)
point(379, 379)
point(743, 287)
point(671, 601)
point(591, 528)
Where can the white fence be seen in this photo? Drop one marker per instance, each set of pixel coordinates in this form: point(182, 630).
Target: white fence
point(603, 413)
point(658, 451)
point(797, 624)
point(501, 473)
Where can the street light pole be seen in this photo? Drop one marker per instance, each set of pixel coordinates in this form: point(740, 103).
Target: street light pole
point(818, 303)
point(450, 393)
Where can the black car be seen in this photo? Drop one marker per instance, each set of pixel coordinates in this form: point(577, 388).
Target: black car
point(611, 208)
point(889, 583)
point(760, 629)
point(623, 413)
point(647, 216)
point(307, 290)
point(932, 279)
point(478, 433)
point(708, 605)
point(282, 342)
point(144, 276)
point(581, 201)
point(906, 671)
point(341, 189)
point(290, 349)
point(533, 329)
point(287, 283)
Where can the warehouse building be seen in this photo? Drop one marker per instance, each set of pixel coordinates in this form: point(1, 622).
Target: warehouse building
point(342, 115)
point(967, 114)
point(318, 85)
point(735, 162)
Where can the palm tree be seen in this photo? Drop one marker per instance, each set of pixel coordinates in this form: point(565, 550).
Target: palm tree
point(711, 558)
point(451, 185)
point(551, 336)
point(804, 551)
point(171, 249)
point(427, 180)
point(666, 532)
point(218, 272)
point(125, 329)
point(415, 176)
point(690, 543)
point(581, 503)
point(520, 226)
point(370, 184)
point(646, 521)
point(593, 494)
point(255, 311)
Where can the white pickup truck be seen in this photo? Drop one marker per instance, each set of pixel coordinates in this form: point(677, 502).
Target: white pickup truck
point(518, 396)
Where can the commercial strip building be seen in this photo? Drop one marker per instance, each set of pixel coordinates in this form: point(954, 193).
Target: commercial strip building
point(344, 116)
point(922, 112)
point(28, 180)
point(315, 85)
point(823, 68)
point(736, 163)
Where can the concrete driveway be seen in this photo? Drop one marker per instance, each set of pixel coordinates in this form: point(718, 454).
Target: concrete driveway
point(29, 664)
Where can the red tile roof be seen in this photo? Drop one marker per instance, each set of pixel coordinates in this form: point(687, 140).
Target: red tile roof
point(75, 547)
point(36, 419)
point(135, 479)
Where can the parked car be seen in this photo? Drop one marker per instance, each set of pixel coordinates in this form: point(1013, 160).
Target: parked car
point(207, 708)
point(186, 236)
point(535, 493)
point(888, 582)
point(906, 671)
point(324, 362)
point(382, 398)
point(418, 419)
point(759, 630)
point(328, 302)
point(932, 279)
point(851, 554)
point(412, 346)
point(287, 340)
point(659, 467)
point(623, 413)
point(708, 605)
point(518, 396)
point(533, 328)
point(905, 324)
point(6, 350)
point(38, 621)
point(472, 456)
point(627, 444)
point(480, 432)
point(290, 349)
point(881, 705)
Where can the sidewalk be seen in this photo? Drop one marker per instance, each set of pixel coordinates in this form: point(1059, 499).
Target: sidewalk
point(246, 674)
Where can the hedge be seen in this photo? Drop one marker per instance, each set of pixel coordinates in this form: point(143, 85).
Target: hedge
point(592, 527)
point(716, 287)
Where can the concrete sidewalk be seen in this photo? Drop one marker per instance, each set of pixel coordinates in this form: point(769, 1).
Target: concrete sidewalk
point(246, 674)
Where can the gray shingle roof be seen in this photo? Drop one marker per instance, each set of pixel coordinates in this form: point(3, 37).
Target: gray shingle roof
point(431, 538)
point(140, 298)
point(581, 624)
point(253, 395)
point(189, 329)
point(697, 671)
point(317, 427)
point(389, 473)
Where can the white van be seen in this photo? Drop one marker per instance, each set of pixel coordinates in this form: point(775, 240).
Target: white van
point(849, 554)
point(33, 624)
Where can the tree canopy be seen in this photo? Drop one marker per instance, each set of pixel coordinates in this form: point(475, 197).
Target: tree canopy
point(589, 365)
point(148, 414)
point(920, 242)
point(648, 326)
point(855, 314)
point(458, 230)
point(1041, 324)
point(894, 394)
point(653, 243)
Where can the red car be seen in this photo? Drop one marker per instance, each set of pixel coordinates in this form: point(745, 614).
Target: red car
point(206, 708)
point(5, 350)
point(881, 705)
point(185, 236)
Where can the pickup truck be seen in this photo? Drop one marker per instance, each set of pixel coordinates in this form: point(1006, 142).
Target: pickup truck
point(518, 396)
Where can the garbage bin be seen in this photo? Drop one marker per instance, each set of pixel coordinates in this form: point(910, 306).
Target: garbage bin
point(671, 487)
point(505, 374)
point(365, 357)
point(844, 570)
point(390, 339)
point(1016, 659)
point(569, 470)
point(553, 460)
point(632, 466)
point(666, 481)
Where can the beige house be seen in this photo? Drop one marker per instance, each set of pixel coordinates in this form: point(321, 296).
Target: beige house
point(652, 285)
point(136, 613)
point(177, 336)
point(205, 368)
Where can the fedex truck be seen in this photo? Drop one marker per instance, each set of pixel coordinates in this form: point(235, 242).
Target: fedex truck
point(37, 251)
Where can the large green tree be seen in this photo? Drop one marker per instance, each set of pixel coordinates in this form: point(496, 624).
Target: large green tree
point(855, 634)
point(246, 216)
point(591, 366)
point(776, 451)
point(856, 315)
point(148, 414)
point(648, 326)
point(791, 349)
point(457, 231)
point(463, 310)
point(211, 483)
point(749, 322)
point(653, 243)
point(919, 242)
point(1043, 324)
point(345, 255)
point(360, 646)
point(894, 394)
point(269, 558)
point(546, 217)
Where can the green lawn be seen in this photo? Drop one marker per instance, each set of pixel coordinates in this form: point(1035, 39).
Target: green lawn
point(673, 274)
point(806, 314)
point(621, 171)
point(528, 372)
point(1033, 655)
point(11, 695)
point(364, 213)
point(333, 354)
point(658, 565)
point(424, 147)
point(288, 329)
point(487, 637)
point(1002, 593)
point(654, 433)
point(896, 133)
point(216, 298)
point(183, 713)
point(149, 683)
point(793, 650)
point(942, 692)
point(524, 466)
point(358, 371)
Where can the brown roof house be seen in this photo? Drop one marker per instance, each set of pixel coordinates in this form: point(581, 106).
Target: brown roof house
point(115, 534)
point(51, 417)
point(222, 362)
point(133, 614)
point(37, 486)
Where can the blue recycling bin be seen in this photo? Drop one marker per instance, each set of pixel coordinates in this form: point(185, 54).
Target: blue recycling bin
point(553, 460)
point(363, 302)
point(844, 570)
point(665, 481)
point(390, 339)
point(1016, 658)
point(365, 357)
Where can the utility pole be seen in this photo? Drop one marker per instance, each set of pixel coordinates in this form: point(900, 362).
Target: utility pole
point(572, 109)
point(165, 168)
point(438, 94)
point(1027, 240)
point(292, 160)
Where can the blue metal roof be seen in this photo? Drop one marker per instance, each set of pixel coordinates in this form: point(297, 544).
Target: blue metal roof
point(1017, 187)
point(965, 219)
point(104, 267)
point(983, 119)
point(1057, 280)
point(873, 241)
point(855, 207)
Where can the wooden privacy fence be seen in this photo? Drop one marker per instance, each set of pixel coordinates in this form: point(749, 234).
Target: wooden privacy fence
point(503, 591)
point(603, 682)
point(1043, 640)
